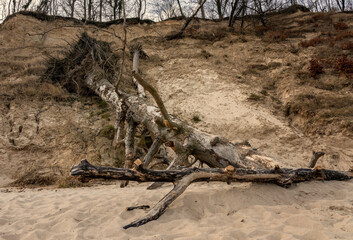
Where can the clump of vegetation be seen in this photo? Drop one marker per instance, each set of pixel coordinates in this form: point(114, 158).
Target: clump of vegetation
point(39, 176)
point(322, 110)
point(102, 104)
point(343, 35)
point(315, 68)
point(340, 26)
point(211, 34)
point(261, 30)
point(347, 45)
point(69, 182)
point(70, 72)
point(254, 97)
point(321, 16)
point(206, 54)
point(105, 116)
point(344, 65)
point(264, 92)
point(196, 118)
point(107, 132)
point(313, 42)
point(276, 36)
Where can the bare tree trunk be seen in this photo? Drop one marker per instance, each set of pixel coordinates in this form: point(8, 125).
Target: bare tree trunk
point(202, 10)
point(140, 89)
point(129, 144)
point(180, 8)
point(90, 2)
point(85, 9)
point(14, 6)
point(72, 8)
point(100, 10)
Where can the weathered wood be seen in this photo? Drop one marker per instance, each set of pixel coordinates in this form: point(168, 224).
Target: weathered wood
point(144, 207)
point(135, 64)
point(183, 178)
point(316, 156)
point(167, 120)
point(129, 145)
point(161, 206)
point(120, 125)
point(152, 151)
point(280, 176)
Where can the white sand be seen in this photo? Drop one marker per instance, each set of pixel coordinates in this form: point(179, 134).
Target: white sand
point(313, 210)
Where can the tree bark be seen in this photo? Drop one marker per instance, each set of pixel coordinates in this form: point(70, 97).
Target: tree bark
point(135, 64)
point(316, 156)
point(129, 145)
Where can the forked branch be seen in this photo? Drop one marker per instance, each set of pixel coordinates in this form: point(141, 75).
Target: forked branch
point(183, 178)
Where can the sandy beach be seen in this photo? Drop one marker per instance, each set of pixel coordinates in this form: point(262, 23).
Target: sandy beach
point(313, 210)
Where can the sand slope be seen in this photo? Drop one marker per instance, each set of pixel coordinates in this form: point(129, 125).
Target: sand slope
point(205, 211)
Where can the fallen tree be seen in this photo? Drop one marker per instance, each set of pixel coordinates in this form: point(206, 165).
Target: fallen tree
point(90, 67)
point(183, 178)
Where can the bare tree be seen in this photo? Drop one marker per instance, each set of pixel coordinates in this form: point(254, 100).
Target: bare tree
point(165, 9)
point(341, 4)
point(221, 6)
point(180, 9)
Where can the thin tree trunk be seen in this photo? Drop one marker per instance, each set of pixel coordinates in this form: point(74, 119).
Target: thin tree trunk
point(180, 8)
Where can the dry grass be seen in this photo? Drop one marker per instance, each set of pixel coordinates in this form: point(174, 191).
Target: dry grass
point(340, 26)
point(322, 17)
point(347, 45)
point(69, 182)
point(313, 42)
point(107, 132)
point(342, 35)
point(315, 68)
point(320, 112)
point(275, 36)
point(39, 176)
point(210, 34)
point(344, 65)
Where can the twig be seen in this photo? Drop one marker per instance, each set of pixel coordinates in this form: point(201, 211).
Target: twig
point(167, 121)
point(144, 207)
point(316, 156)
point(124, 48)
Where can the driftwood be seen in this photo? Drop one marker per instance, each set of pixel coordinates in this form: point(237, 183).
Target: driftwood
point(183, 178)
point(144, 207)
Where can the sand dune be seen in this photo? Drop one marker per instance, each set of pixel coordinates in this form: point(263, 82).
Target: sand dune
point(313, 210)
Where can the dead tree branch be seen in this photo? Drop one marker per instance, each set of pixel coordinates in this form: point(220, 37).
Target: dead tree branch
point(140, 89)
point(183, 178)
point(167, 121)
point(316, 156)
